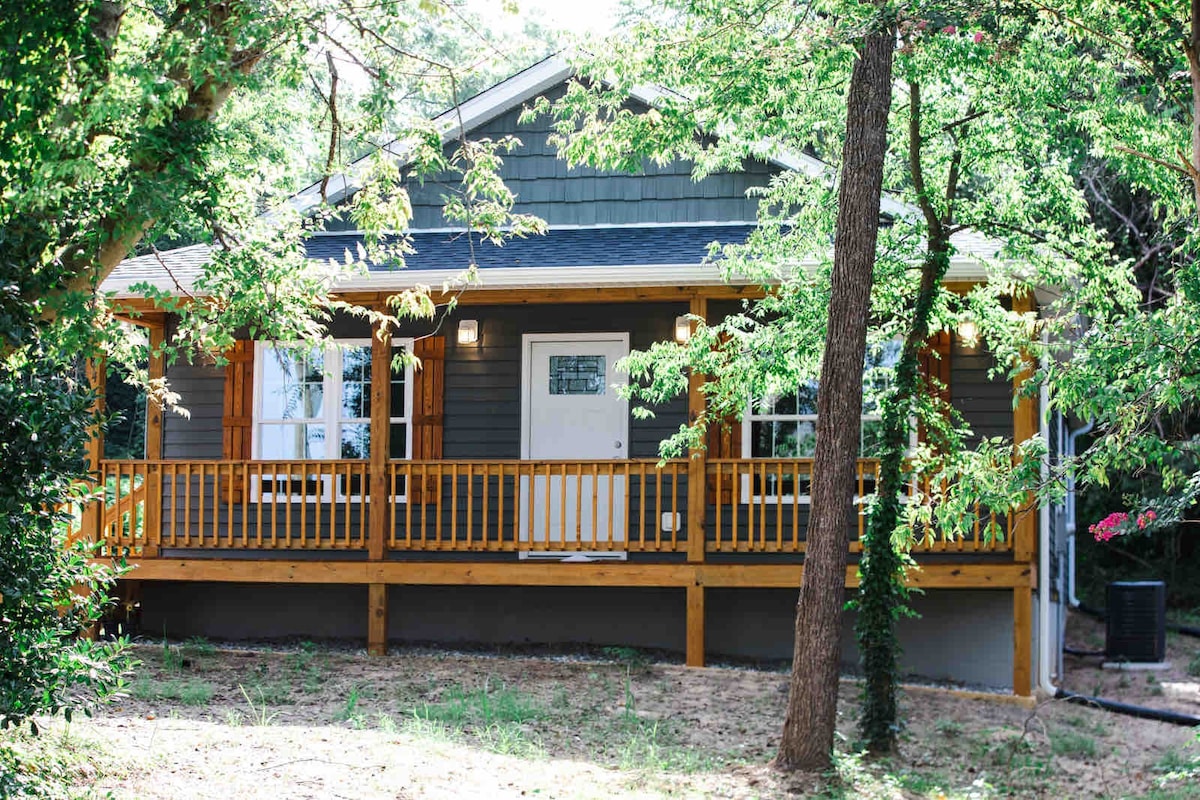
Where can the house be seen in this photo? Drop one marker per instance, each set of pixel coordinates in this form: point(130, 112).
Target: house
point(503, 493)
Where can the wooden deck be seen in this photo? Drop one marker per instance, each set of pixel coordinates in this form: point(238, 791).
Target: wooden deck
point(627, 507)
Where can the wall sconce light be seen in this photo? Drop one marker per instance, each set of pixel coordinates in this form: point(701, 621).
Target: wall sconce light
point(468, 331)
point(683, 329)
point(968, 333)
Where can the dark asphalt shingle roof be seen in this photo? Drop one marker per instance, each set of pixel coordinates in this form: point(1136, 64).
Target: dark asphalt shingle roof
point(581, 247)
point(559, 248)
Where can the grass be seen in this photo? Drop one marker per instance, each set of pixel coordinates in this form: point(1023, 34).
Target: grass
point(259, 712)
point(188, 692)
point(350, 713)
point(1073, 744)
point(617, 716)
point(483, 706)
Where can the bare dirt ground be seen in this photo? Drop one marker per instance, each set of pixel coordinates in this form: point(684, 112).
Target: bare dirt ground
point(203, 721)
point(1176, 688)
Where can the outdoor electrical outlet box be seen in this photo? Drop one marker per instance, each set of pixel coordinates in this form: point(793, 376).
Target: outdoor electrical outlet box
point(1136, 622)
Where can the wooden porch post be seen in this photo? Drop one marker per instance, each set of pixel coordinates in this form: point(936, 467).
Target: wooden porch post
point(1025, 527)
point(381, 390)
point(154, 445)
point(697, 484)
point(154, 412)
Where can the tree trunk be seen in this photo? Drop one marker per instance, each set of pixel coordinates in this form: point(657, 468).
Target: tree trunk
point(808, 727)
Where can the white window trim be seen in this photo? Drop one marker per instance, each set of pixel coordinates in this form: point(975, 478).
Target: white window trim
point(331, 417)
point(748, 419)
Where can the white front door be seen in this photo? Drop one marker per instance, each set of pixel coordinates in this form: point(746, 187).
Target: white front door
point(571, 411)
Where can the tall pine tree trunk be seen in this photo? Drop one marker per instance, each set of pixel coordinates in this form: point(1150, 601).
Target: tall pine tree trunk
point(808, 727)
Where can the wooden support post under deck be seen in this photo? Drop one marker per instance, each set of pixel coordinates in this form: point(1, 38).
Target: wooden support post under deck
point(695, 625)
point(381, 386)
point(377, 619)
point(697, 479)
point(1022, 641)
point(1025, 426)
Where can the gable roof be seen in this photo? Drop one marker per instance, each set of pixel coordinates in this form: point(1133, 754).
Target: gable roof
point(639, 254)
point(513, 92)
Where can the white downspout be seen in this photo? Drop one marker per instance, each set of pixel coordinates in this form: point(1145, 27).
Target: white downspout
point(1045, 654)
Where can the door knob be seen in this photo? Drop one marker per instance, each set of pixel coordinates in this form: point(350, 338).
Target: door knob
point(617, 445)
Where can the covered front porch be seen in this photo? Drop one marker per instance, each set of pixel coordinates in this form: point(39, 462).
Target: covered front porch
point(722, 518)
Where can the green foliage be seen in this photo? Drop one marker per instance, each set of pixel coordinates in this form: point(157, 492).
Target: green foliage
point(126, 126)
point(975, 171)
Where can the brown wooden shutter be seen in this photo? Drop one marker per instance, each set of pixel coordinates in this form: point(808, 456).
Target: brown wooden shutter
point(935, 365)
point(238, 417)
point(723, 440)
point(429, 384)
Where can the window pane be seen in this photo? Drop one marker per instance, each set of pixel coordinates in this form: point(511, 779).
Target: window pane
point(356, 440)
point(293, 384)
point(398, 441)
point(577, 374)
point(356, 383)
point(398, 408)
point(783, 439)
point(292, 441)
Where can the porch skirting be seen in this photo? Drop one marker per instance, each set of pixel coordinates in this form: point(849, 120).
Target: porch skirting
point(962, 635)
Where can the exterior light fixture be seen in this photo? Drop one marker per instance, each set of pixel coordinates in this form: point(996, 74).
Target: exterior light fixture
point(683, 329)
point(968, 333)
point(468, 331)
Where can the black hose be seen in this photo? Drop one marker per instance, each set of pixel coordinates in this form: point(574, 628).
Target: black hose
point(1141, 712)
point(1072, 651)
point(1186, 630)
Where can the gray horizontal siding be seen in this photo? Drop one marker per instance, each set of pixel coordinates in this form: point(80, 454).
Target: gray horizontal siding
point(985, 403)
point(483, 413)
point(544, 185)
point(202, 393)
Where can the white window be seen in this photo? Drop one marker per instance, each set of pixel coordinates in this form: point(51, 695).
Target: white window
point(784, 426)
point(316, 404)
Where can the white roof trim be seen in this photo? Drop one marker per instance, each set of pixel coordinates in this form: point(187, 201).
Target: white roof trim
point(961, 269)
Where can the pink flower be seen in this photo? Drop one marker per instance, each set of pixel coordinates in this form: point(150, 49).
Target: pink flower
point(979, 37)
point(1146, 518)
point(950, 29)
point(1110, 526)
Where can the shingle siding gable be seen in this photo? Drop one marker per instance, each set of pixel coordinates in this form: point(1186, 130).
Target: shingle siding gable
point(546, 187)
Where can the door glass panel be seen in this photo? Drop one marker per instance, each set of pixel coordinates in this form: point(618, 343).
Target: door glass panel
point(577, 375)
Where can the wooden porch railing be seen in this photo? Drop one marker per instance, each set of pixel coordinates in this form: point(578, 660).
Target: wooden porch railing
point(761, 506)
point(538, 506)
point(751, 506)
